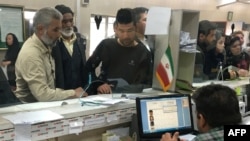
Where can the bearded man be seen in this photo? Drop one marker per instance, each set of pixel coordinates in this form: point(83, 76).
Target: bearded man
point(69, 54)
point(35, 66)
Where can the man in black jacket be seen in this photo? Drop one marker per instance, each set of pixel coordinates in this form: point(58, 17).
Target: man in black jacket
point(123, 57)
point(206, 36)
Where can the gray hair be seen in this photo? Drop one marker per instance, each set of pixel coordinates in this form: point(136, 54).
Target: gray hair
point(138, 11)
point(44, 17)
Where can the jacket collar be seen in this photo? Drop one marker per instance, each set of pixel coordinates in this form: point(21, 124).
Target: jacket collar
point(41, 45)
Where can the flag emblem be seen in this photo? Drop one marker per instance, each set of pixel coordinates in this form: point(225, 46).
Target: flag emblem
point(165, 70)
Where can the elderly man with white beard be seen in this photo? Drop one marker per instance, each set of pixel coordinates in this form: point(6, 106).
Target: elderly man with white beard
point(35, 66)
point(69, 55)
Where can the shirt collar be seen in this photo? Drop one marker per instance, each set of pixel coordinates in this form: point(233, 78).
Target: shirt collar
point(71, 40)
point(41, 45)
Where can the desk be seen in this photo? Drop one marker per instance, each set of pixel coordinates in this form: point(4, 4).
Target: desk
point(233, 83)
point(72, 112)
point(238, 85)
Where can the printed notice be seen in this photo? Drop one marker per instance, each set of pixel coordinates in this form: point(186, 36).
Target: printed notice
point(75, 127)
point(158, 20)
point(22, 132)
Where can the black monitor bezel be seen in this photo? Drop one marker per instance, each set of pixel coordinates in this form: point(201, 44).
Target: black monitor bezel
point(159, 134)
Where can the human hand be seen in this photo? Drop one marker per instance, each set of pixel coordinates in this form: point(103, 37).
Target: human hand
point(104, 89)
point(79, 92)
point(242, 72)
point(5, 63)
point(169, 137)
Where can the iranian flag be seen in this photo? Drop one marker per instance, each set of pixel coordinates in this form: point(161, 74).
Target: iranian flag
point(165, 70)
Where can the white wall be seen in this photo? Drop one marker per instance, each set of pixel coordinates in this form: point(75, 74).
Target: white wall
point(207, 8)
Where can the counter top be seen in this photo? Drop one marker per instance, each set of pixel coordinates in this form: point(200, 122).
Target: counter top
point(232, 83)
point(72, 111)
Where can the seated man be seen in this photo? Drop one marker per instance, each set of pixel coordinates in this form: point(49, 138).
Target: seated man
point(121, 57)
point(216, 106)
point(35, 66)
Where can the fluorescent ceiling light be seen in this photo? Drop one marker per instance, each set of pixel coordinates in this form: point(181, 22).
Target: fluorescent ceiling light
point(227, 2)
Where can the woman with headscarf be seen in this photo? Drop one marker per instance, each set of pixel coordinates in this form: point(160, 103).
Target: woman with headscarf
point(237, 58)
point(10, 57)
point(215, 57)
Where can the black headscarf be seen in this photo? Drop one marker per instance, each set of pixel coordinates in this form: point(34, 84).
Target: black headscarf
point(13, 50)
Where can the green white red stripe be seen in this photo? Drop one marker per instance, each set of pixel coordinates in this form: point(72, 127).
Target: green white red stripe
point(165, 70)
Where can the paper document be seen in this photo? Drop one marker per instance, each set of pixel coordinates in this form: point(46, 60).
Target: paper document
point(33, 117)
point(158, 20)
point(101, 100)
point(75, 127)
point(94, 121)
point(187, 137)
point(22, 132)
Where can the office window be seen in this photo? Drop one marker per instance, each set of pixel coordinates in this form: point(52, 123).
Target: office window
point(97, 35)
point(28, 19)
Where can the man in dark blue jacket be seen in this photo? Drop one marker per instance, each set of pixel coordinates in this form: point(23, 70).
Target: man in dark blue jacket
point(69, 54)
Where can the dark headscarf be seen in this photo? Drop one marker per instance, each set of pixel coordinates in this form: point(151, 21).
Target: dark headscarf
point(13, 50)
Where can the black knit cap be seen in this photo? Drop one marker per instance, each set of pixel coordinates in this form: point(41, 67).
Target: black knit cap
point(64, 9)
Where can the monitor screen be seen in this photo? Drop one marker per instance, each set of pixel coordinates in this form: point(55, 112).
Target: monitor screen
point(160, 114)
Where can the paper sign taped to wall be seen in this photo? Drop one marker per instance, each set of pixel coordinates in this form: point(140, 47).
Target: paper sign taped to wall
point(158, 20)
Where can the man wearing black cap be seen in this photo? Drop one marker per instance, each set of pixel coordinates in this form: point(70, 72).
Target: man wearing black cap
point(122, 57)
point(69, 54)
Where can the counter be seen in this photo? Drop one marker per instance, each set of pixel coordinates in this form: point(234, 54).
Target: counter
point(96, 119)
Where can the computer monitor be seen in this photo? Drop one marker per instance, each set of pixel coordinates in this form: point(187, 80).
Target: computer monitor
point(165, 113)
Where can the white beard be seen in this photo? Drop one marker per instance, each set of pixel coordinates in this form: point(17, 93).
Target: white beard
point(67, 32)
point(47, 41)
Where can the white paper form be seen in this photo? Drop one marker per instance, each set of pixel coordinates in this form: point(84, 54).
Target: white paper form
point(22, 132)
point(112, 116)
point(75, 127)
point(101, 100)
point(187, 137)
point(158, 20)
point(23, 120)
point(43, 105)
point(94, 121)
point(33, 117)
